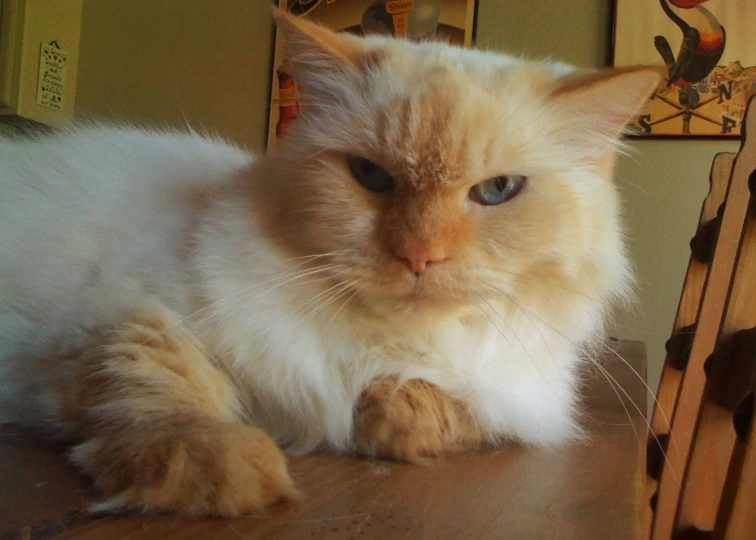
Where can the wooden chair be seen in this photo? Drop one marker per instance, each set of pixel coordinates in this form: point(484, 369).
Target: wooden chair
point(701, 460)
point(680, 342)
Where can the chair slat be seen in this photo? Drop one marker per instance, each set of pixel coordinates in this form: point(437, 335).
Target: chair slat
point(688, 408)
point(736, 519)
point(684, 327)
point(728, 381)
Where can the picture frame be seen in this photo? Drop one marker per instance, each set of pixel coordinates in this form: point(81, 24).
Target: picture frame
point(451, 21)
point(709, 50)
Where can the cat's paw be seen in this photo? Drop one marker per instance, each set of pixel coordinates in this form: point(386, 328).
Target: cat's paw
point(412, 422)
point(186, 467)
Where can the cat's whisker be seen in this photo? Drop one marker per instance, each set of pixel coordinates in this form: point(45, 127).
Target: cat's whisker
point(315, 155)
point(348, 299)
point(322, 297)
point(596, 363)
point(335, 292)
point(318, 255)
point(343, 290)
point(641, 413)
point(614, 384)
point(325, 293)
point(524, 348)
point(223, 317)
point(596, 300)
point(496, 327)
point(651, 333)
point(545, 342)
point(519, 341)
point(277, 283)
point(555, 286)
point(648, 389)
point(242, 291)
point(622, 180)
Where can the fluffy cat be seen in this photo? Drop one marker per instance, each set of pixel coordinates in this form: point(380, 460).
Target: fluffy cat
point(415, 269)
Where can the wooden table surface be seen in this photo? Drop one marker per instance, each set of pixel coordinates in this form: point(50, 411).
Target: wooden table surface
point(585, 491)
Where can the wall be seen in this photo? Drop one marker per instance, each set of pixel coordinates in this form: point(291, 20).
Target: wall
point(175, 62)
point(663, 182)
point(31, 23)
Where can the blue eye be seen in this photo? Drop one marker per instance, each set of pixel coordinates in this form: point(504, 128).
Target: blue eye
point(497, 190)
point(370, 175)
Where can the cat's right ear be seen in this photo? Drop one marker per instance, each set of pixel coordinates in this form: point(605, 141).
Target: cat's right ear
point(322, 59)
point(597, 106)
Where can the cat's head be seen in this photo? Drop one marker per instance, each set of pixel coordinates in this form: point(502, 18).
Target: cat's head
point(436, 175)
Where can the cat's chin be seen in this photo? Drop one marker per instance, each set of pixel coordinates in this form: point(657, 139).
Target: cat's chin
point(413, 303)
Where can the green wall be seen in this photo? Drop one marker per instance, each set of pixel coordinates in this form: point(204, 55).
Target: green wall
point(132, 55)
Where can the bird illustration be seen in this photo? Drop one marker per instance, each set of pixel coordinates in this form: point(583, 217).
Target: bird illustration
point(701, 48)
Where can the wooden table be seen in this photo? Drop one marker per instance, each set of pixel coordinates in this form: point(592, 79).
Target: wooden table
point(587, 491)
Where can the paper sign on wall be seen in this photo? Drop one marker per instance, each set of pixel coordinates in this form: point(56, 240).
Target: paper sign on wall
point(52, 77)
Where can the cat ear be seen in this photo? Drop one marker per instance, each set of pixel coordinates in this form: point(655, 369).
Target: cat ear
point(597, 106)
point(322, 59)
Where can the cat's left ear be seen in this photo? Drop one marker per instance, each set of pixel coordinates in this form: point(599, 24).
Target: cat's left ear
point(597, 106)
point(323, 60)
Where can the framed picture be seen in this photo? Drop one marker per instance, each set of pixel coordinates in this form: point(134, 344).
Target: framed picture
point(451, 21)
point(709, 50)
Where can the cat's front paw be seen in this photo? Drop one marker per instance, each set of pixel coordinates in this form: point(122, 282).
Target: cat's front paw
point(189, 468)
point(411, 422)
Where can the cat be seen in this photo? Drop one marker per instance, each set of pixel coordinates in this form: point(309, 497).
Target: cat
point(416, 269)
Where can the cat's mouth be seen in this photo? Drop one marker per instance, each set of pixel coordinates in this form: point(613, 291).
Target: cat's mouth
point(393, 285)
point(409, 291)
point(417, 295)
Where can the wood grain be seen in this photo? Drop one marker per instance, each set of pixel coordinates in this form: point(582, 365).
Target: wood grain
point(713, 305)
point(39, 492)
point(589, 490)
point(735, 518)
point(687, 315)
point(714, 437)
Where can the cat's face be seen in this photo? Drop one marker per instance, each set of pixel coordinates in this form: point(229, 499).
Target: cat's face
point(438, 176)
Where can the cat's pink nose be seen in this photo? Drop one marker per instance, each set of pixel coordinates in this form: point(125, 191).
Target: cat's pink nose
point(419, 260)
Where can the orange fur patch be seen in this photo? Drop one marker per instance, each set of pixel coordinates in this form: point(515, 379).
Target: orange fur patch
point(186, 464)
point(157, 421)
point(411, 422)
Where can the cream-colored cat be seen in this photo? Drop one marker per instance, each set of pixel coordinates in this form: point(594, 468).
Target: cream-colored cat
point(416, 269)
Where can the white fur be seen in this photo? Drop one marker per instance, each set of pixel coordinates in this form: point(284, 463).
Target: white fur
point(518, 376)
point(97, 221)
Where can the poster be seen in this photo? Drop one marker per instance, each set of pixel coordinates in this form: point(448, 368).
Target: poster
point(450, 21)
point(709, 50)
